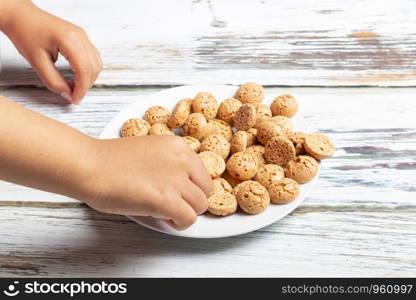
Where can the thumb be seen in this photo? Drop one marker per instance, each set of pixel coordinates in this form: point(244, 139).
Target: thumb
point(51, 78)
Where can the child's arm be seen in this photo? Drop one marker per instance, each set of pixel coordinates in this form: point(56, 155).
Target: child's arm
point(40, 37)
point(157, 176)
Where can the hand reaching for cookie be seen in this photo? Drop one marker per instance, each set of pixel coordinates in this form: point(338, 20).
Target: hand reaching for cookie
point(158, 176)
point(40, 37)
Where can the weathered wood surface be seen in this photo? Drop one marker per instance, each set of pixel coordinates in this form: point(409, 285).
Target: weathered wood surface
point(287, 42)
point(359, 220)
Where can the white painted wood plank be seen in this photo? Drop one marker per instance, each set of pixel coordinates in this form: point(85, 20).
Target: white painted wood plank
point(81, 242)
point(374, 130)
point(288, 42)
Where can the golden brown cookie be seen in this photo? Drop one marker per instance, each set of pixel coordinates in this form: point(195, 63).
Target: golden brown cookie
point(206, 104)
point(160, 129)
point(283, 191)
point(196, 126)
point(239, 141)
point(268, 174)
point(279, 151)
point(220, 127)
point(267, 130)
point(222, 204)
point(180, 113)
point(302, 169)
point(157, 114)
point(319, 146)
point(284, 105)
point(252, 197)
point(252, 137)
point(263, 112)
point(192, 142)
point(214, 163)
point(216, 143)
point(242, 165)
point(220, 185)
point(258, 153)
point(134, 127)
point(245, 117)
point(284, 123)
point(230, 179)
point(298, 140)
point(227, 109)
point(250, 92)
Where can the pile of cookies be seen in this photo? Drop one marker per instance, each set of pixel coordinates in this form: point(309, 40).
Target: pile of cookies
point(248, 148)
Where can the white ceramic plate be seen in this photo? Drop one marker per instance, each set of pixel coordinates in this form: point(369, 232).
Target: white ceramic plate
point(208, 226)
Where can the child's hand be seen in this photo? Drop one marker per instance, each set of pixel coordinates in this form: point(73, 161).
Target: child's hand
point(158, 176)
point(40, 37)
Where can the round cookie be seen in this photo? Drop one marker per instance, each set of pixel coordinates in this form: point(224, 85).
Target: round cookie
point(267, 130)
point(239, 141)
point(319, 146)
point(134, 127)
point(160, 129)
point(283, 191)
point(214, 163)
point(180, 113)
point(284, 105)
point(242, 165)
point(220, 127)
point(252, 197)
point(192, 142)
point(250, 92)
point(252, 137)
point(222, 204)
point(216, 143)
point(206, 104)
point(220, 185)
point(302, 169)
point(157, 114)
point(257, 151)
point(268, 174)
point(230, 179)
point(284, 123)
point(196, 126)
point(263, 112)
point(298, 140)
point(245, 117)
point(279, 151)
point(227, 109)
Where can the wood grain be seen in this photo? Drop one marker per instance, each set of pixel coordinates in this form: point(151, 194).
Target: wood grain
point(288, 42)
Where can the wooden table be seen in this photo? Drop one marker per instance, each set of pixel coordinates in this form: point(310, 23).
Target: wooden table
point(352, 66)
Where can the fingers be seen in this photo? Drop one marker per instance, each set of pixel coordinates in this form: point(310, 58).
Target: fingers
point(195, 197)
point(199, 176)
point(180, 215)
point(51, 78)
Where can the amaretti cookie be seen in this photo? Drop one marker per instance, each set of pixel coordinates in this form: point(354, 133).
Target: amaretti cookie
point(214, 164)
point(242, 165)
point(263, 112)
point(196, 126)
point(267, 130)
point(252, 197)
point(216, 143)
point(245, 117)
point(257, 151)
point(298, 140)
point(192, 142)
point(160, 129)
point(157, 114)
point(220, 185)
point(180, 113)
point(220, 127)
point(283, 191)
point(227, 109)
point(302, 169)
point(268, 174)
point(279, 151)
point(250, 92)
point(134, 127)
point(284, 105)
point(284, 123)
point(222, 204)
point(206, 104)
point(319, 146)
point(230, 179)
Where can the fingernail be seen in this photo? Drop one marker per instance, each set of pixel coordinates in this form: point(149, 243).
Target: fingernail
point(66, 96)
